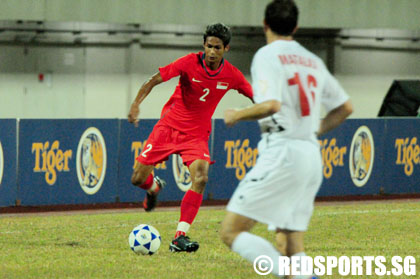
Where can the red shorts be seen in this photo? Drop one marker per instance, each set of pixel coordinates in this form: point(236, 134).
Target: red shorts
point(164, 141)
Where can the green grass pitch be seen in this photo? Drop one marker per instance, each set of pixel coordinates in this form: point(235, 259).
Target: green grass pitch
point(96, 245)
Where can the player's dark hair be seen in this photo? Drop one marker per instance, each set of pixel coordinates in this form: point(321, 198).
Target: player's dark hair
point(282, 16)
point(220, 31)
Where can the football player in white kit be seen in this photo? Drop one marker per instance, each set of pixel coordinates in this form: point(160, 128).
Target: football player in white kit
point(290, 84)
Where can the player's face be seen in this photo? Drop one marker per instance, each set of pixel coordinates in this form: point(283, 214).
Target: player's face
point(214, 50)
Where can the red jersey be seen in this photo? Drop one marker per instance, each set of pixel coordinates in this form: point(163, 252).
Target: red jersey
point(198, 92)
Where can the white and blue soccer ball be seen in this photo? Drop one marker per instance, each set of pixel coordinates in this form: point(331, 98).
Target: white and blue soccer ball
point(144, 239)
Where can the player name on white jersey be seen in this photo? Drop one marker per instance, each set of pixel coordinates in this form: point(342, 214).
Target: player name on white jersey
point(288, 59)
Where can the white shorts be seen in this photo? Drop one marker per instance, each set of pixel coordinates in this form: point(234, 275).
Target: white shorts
point(280, 189)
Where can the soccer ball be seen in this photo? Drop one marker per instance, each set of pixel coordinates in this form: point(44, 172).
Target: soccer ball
point(144, 239)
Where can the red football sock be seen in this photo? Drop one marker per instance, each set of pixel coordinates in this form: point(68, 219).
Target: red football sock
point(148, 183)
point(189, 208)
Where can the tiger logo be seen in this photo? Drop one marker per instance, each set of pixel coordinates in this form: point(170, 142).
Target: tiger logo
point(362, 154)
point(181, 173)
point(91, 160)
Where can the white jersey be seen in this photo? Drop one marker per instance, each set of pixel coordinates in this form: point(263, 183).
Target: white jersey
point(286, 71)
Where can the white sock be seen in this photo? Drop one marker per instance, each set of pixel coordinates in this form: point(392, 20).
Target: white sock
point(153, 188)
point(250, 247)
point(183, 227)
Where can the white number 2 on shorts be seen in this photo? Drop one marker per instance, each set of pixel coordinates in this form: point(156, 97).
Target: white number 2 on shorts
point(147, 149)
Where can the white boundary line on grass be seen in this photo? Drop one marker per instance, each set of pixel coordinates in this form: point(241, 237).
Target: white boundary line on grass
point(213, 207)
point(352, 212)
point(365, 212)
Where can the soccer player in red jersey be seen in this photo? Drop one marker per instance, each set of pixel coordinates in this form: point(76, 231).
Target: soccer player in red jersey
point(185, 124)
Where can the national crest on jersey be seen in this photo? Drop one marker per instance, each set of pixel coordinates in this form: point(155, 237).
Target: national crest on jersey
point(222, 85)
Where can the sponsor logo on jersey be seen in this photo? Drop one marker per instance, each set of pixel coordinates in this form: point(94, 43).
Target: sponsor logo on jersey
point(332, 156)
point(408, 154)
point(222, 85)
point(196, 80)
point(50, 159)
point(91, 160)
point(181, 173)
point(240, 156)
point(137, 147)
point(362, 155)
point(1, 162)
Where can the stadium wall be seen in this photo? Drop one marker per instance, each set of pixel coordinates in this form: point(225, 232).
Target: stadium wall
point(90, 161)
point(322, 13)
point(101, 82)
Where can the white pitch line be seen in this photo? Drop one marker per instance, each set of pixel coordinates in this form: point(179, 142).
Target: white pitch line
point(352, 212)
point(355, 212)
point(173, 222)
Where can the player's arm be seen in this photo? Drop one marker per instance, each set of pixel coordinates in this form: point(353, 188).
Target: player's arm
point(244, 87)
point(335, 117)
point(337, 104)
point(254, 112)
point(246, 90)
point(141, 95)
